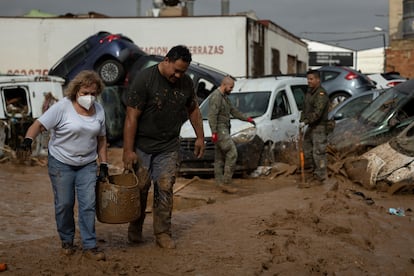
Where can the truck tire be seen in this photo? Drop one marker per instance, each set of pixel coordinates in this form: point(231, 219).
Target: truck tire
point(171, 3)
point(111, 71)
point(267, 158)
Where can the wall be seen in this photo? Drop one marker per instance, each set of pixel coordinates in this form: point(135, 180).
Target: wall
point(395, 23)
point(371, 60)
point(33, 45)
point(400, 53)
point(400, 56)
point(288, 46)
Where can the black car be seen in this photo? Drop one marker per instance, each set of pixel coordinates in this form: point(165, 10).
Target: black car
point(113, 97)
point(206, 79)
point(111, 55)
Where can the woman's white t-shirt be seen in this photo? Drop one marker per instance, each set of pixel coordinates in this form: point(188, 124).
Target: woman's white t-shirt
point(73, 137)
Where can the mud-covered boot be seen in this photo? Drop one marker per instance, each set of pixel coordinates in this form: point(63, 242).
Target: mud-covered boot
point(164, 240)
point(94, 254)
point(68, 249)
point(303, 185)
point(135, 233)
point(226, 188)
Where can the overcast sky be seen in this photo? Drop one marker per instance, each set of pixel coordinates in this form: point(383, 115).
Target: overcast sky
point(346, 23)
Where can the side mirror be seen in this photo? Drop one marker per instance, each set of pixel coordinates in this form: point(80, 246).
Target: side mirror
point(338, 116)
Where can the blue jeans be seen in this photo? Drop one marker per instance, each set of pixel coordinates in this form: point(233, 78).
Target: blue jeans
point(66, 181)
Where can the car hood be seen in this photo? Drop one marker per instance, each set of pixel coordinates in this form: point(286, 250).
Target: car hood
point(187, 130)
point(348, 133)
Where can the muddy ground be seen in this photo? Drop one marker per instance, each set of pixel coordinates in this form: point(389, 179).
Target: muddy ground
point(269, 228)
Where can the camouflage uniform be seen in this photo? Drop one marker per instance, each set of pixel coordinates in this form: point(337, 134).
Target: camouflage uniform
point(220, 109)
point(315, 115)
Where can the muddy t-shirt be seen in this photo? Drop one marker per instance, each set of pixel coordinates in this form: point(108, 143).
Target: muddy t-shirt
point(163, 105)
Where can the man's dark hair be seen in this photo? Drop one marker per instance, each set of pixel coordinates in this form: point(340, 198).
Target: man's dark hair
point(179, 52)
point(315, 73)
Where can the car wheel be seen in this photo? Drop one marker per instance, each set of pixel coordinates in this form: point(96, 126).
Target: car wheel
point(267, 157)
point(111, 71)
point(337, 98)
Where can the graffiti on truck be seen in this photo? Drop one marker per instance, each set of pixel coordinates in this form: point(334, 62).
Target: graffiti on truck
point(43, 72)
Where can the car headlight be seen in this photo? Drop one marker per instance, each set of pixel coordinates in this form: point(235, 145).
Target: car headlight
point(244, 136)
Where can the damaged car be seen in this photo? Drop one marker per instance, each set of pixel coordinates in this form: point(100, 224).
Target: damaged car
point(110, 55)
point(387, 167)
point(351, 107)
point(385, 117)
point(275, 103)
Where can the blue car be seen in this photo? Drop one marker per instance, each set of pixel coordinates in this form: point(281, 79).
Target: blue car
point(111, 55)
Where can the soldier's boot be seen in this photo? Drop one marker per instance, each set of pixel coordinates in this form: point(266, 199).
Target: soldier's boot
point(303, 185)
point(318, 180)
point(226, 188)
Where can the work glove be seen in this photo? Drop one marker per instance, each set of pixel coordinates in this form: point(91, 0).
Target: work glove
point(24, 151)
point(250, 120)
point(214, 137)
point(103, 172)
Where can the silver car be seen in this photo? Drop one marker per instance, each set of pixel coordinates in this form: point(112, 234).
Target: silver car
point(351, 107)
point(343, 82)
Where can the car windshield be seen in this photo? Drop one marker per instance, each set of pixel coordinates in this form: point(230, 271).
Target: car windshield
point(149, 63)
point(382, 106)
point(355, 105)
point(251, 104)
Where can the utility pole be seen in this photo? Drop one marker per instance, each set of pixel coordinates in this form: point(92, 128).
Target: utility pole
point(384, 46)
point(138, 8)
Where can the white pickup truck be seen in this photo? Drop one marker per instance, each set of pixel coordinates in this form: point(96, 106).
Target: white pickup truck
point(21, 101)
point(275, 103)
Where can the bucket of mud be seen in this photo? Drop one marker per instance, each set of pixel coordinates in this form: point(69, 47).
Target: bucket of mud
point(118, 199)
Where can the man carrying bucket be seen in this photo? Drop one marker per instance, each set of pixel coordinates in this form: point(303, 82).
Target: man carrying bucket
point(157, 100)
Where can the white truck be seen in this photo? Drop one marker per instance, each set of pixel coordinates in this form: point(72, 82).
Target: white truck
point(22, 100)
point(237, 45)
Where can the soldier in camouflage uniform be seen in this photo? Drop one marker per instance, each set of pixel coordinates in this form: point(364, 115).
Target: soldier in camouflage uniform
point(315, 115)
point(220, 109)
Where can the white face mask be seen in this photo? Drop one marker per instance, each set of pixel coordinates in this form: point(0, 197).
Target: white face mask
point(86, 101)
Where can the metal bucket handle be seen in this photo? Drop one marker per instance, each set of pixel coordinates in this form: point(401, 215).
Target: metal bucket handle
point(126, 171)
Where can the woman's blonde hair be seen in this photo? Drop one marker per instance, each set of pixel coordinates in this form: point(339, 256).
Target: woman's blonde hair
point(84, 79)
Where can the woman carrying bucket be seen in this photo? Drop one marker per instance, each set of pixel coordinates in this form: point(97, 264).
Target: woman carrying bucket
point(78, 139)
